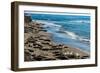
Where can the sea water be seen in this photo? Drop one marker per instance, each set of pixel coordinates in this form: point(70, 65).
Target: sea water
point(72, 30)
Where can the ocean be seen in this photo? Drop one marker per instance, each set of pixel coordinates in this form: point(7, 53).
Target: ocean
point(72, 30)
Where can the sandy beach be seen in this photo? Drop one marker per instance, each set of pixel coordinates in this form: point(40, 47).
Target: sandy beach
point(39, 46)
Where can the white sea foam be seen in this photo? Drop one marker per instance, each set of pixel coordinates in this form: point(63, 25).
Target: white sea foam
point(71, 34)
point(59, 29)
point(70, 21)
point(79, 21)
point(75, 36)
point(49, 25)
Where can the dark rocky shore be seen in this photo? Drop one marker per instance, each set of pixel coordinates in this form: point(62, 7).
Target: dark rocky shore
point(39, 46)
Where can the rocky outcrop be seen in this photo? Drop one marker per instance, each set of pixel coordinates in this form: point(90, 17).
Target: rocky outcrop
point(39, 46)
point(27, 19)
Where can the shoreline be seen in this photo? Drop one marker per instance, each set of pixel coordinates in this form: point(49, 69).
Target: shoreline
point(38, 45)
point(56, 30)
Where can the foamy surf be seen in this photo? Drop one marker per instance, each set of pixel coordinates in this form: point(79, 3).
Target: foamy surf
point(58, 28)
point(68, 37)
point(75, 36)
point(79, 21)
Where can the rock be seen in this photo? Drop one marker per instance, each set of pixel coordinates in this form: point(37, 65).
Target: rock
point(28, 29)
point(31, 39)
point(27, 19)
point(27, 56)
point(38, 58)
point(46, 48)
point(39, 46)
point(62, 57)
point(30, 50)
point(84, 57)
point(44, 34)
point(43, 30)
point(46, 42)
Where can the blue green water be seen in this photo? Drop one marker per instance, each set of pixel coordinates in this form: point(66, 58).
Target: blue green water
point(73, 30)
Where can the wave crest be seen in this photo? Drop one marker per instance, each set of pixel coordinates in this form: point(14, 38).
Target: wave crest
point(74, 36)
point(59, 29)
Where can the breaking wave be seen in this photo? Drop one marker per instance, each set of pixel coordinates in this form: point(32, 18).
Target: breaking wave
point(59, 29)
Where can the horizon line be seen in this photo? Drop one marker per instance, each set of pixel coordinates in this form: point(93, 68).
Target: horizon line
point(60, 13)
